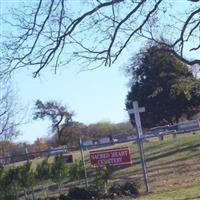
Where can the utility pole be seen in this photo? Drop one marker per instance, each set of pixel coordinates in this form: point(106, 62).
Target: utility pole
point(83, 162)
point(136, 111)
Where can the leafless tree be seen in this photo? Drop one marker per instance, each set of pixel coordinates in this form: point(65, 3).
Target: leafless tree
point(55, 32)
point(8, 118)
point(7, 115)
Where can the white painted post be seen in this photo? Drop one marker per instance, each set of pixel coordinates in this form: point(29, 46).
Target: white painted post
point(136, 111)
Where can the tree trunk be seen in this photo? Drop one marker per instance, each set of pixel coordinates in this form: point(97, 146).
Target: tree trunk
point(45, 191)
point(59, 188)
point(33, 194)
point(17, 193)
point(25, 194)
point(106, 188)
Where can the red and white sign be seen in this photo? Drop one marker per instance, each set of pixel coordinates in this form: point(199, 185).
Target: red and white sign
point(118, 156)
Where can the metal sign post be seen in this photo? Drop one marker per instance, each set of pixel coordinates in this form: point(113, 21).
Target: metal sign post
point(136, 111)
point(26, 151)
point(83, 161)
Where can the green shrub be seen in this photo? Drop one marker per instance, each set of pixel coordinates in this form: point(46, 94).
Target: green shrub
point(76, 171)
point(130, 188)
point(63, 197)
point(8, 184)
point(82, 193)
point(115, 190)
point(102, 176)
point(51, 198)
point(59, 171)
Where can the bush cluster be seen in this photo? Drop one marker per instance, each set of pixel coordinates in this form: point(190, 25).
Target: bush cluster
point(116, 190)
point(22, 179)
point(83, 193)
point(129, 188)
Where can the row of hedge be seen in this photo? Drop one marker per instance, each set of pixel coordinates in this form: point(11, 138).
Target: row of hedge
point(22, 179)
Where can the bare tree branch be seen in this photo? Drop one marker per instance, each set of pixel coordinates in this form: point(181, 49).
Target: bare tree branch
point(54, 34)
point(8, 111)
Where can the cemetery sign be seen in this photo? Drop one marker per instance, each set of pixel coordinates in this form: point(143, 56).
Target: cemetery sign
point(117, 156)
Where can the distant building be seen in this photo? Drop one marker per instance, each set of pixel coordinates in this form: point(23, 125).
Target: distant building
point(122, 137)
point(56, 150)
point(105, 140)
point(88, 142)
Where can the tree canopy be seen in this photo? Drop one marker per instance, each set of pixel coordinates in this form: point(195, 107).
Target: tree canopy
point(58, 114)
point(107, 128)
point(164, 85)
point(72, 133)
point(99, 31)
point(67, 131)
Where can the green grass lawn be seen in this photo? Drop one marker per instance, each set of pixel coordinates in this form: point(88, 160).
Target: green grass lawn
point(178, 194)
point(173, 168)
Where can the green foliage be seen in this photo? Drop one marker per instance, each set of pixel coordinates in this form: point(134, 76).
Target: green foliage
point(106, 128)
point(42, 173)
point(164, 86)
point(26, 176)
point(102, 176)
point(82, 193)
point(13, 178)
point(115, 190)
point(59, 169)
point(43, 170)
point(129, 188)
point(72, 133)
point(76, 171)
point(8, 184)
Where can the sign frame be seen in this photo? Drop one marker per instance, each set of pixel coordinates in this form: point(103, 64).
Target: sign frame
point(115, 156)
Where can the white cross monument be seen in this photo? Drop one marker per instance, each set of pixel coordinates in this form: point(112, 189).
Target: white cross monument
point(136, 111)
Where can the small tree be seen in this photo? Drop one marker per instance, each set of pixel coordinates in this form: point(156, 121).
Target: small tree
point(103, 174)
point(8, 184)
point(26, 179)
point(43, 174)
point(76, 171)
point(59, 171)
